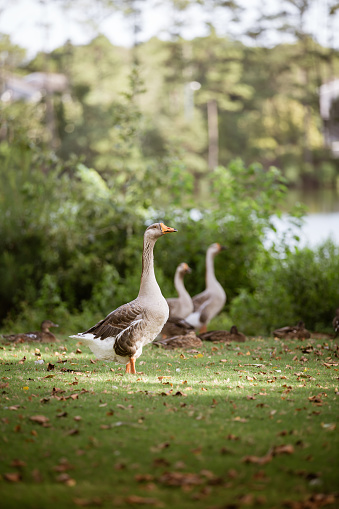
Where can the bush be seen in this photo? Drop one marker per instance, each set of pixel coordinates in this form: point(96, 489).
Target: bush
point(302, 286)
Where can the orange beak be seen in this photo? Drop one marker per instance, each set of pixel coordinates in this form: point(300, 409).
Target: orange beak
point(167, 229)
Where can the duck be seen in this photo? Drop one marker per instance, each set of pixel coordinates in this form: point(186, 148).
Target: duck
point(181, 306)
point(223, 335)
point(293, 332)
point(123, 333)
point(42, 336)
point(211, 301)
point(335, 323)
point(190, 340)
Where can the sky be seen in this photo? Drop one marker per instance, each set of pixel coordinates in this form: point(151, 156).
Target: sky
point(26, 21)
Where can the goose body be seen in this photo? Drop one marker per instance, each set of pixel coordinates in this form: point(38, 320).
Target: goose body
point(293, 332)
point(121, 336)
point(181, 306)
point(211, 301)
point(42, 336)
point(189, 340)
point(176, 327)
point(223, 336)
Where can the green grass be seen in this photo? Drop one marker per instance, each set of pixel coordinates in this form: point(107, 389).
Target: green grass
point(116, 440)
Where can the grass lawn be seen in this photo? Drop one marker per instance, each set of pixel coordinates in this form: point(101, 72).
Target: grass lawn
point(233, 425)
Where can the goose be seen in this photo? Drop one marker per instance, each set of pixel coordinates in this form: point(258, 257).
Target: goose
point(43, 336)
point(208, 303)
point(176, 327)
point(335, 323)
point(223, 335)
point(189, 340)
point(293, 332)
point(182, 306)
point(121, 336)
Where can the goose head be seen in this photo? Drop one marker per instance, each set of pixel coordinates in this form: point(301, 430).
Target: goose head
point(183, 268)
point(46, 324)
point(156, 230)
point(215, 248)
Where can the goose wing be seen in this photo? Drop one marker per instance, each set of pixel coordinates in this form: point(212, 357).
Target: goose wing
point(200, 300)
point(117, 321)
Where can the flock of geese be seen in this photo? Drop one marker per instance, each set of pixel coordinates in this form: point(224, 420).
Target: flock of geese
point(150, 318)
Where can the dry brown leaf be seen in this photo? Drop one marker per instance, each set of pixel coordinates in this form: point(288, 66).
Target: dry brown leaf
point(85, 502)
point(144, 477)
point(12, 477)
point(78, 350)
point(39, 419)
point(181, 479)
point(257, 460)
point(135, 499)
point(36, 475)
point(283, 449)
point(73, 431)
point(50, 366)
point(18, 463)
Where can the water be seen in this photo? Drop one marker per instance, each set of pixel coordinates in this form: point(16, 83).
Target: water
point(321, 221)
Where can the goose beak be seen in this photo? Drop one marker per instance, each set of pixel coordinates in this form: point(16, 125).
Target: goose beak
point(54, 325)
point(167, 229)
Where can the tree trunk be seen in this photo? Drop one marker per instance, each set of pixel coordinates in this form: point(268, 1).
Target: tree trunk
point(213, 134)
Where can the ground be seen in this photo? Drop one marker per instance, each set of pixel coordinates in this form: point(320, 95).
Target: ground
point(228, 426)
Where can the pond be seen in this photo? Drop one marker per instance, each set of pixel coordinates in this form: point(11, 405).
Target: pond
point(320, 222)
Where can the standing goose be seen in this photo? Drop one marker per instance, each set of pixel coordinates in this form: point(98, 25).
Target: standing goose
point(182, 306)
point(42, 336)
point(208, 303)
point(122, 334)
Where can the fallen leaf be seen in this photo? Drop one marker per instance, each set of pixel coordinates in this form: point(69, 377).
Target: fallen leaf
point(144, 477)
point(36, 475)
point(328, 427)
point(62, 414)
point(50, 366)
point(283, 449)
point(18, 463)
point(12, 477)
point(85, 502)
point(135, 499)
point(257, 459)
point(73, 431)
point(181, 479)
point(39, 419)
point(78, 350)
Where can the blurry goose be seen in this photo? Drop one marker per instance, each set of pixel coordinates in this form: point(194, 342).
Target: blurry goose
point(208, 303)
point(223, 335)
point(176, 327)
point(335, 323)
point(189, 340)
point(122, 334)
point(295, 332)
point(182, 306)
point(43, 336)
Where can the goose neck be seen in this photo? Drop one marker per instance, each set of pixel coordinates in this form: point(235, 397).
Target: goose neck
point(210, 275)
point(148, 282)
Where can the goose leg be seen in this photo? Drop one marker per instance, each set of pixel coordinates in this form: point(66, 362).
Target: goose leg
point(128, 367)
point(203, 329)
point(132, 362)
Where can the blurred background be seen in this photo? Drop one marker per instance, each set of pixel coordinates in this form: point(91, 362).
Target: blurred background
point(220, 118)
